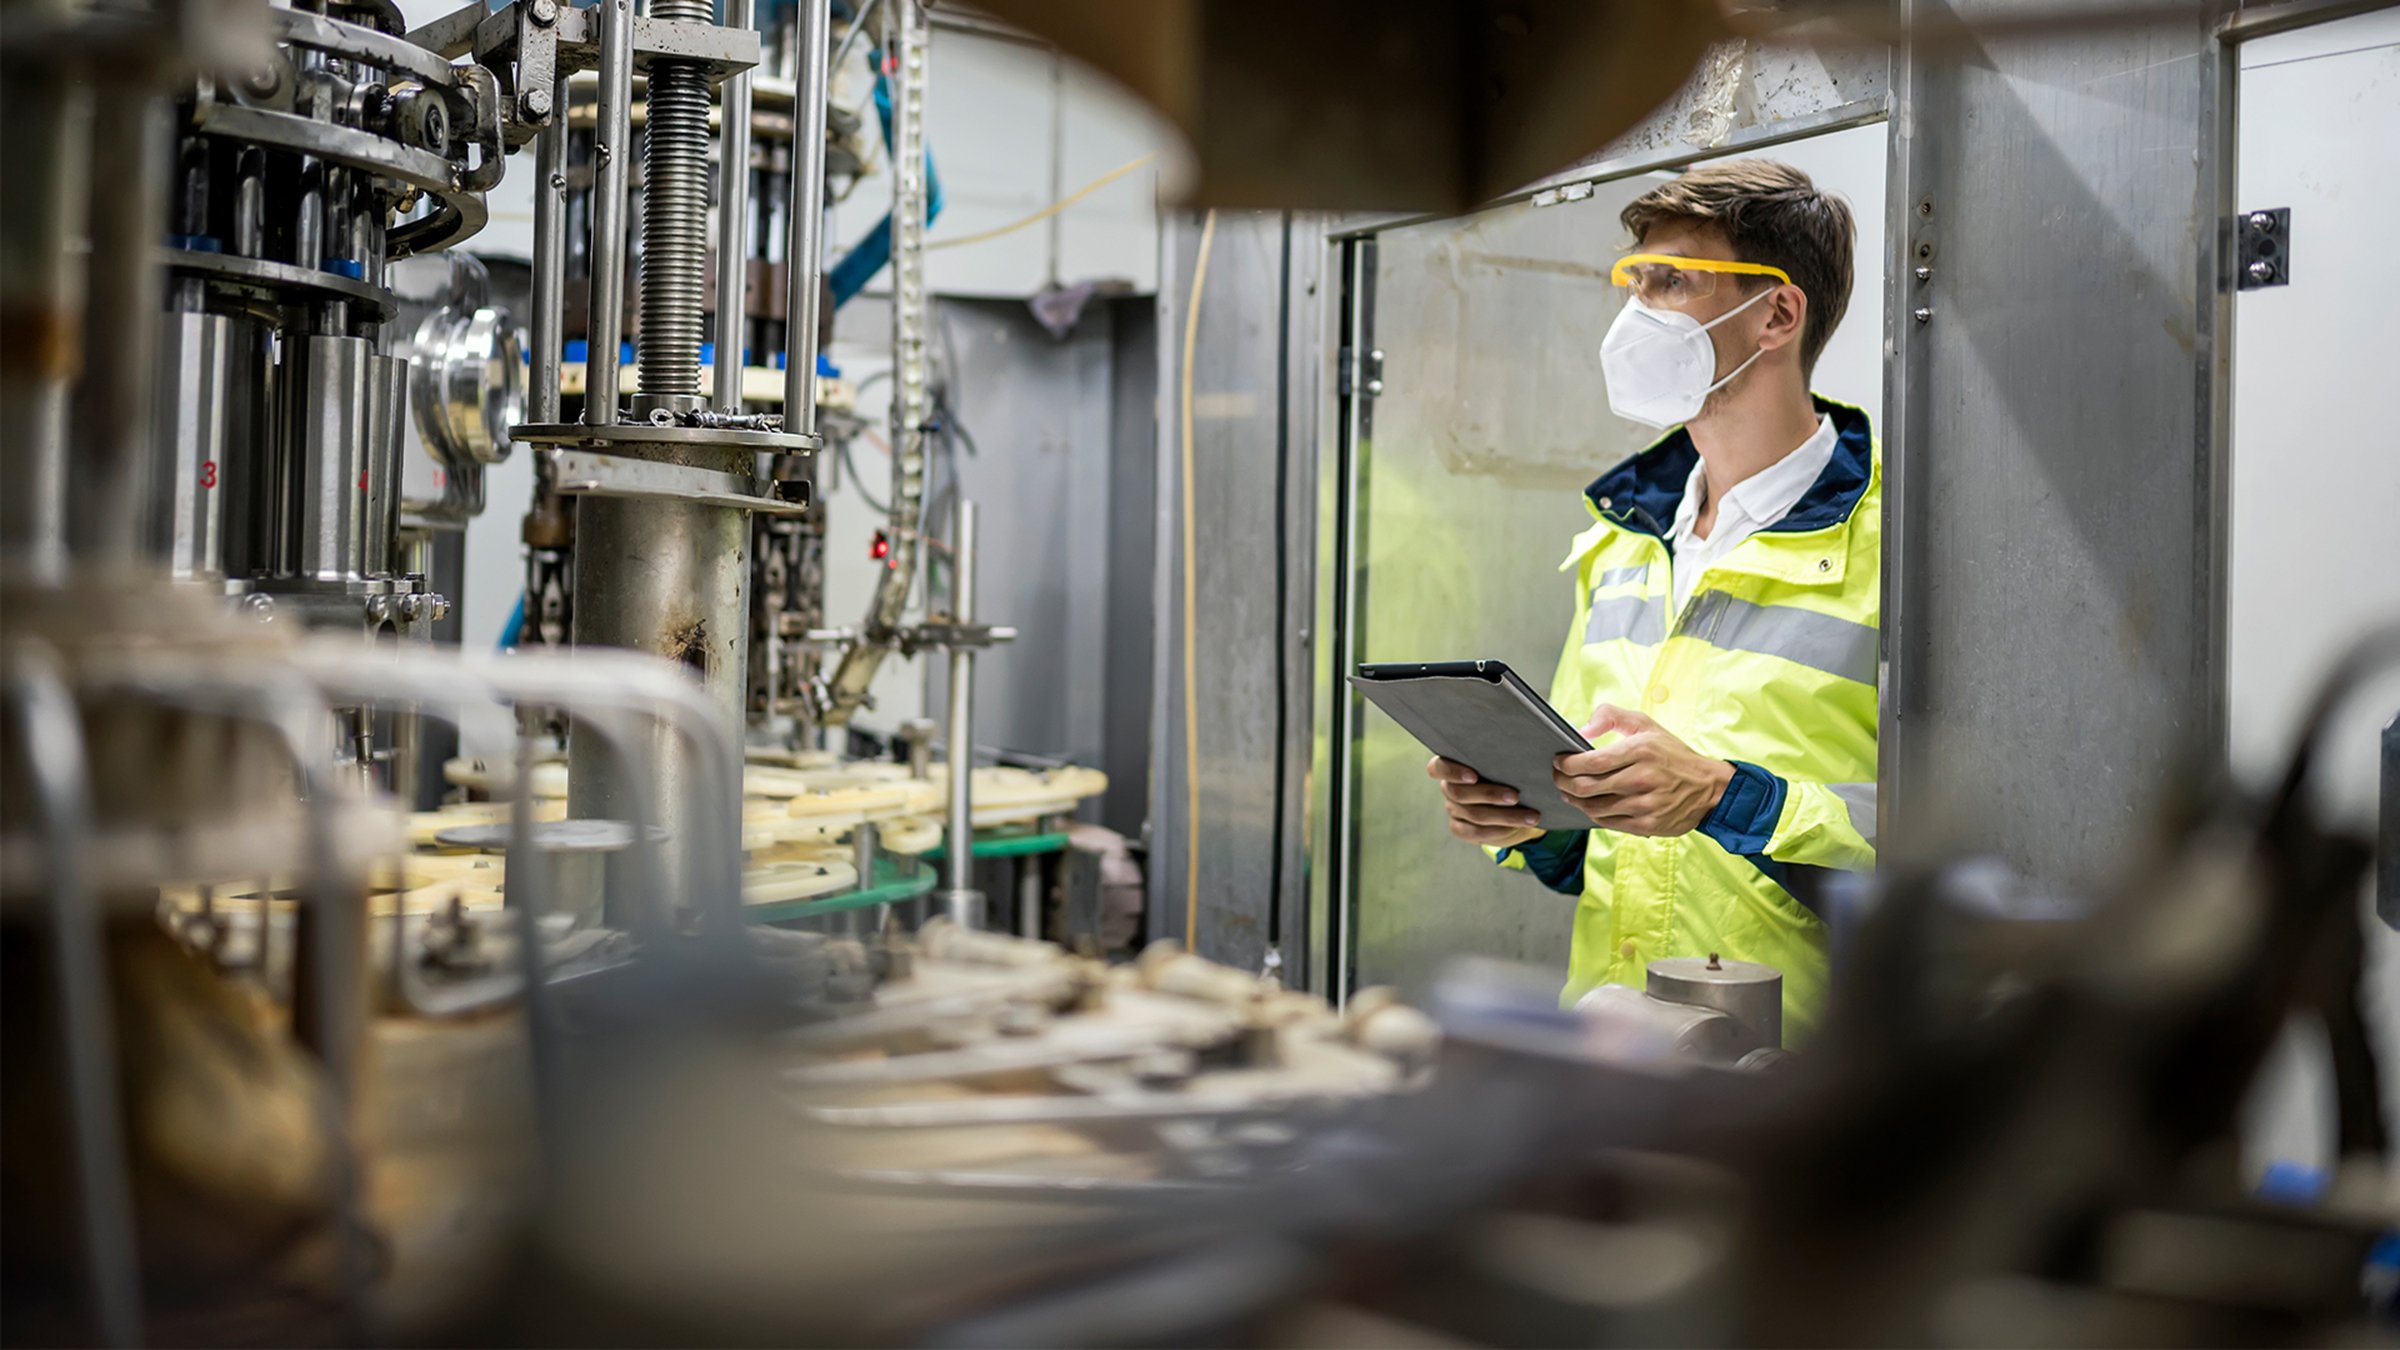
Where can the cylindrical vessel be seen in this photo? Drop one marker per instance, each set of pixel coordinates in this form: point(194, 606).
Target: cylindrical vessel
point(669, 578)
point(206, 379)
point(330, 419)
point(380, 480)
point(960, 898)
point(612, 163)
point(1745, 991)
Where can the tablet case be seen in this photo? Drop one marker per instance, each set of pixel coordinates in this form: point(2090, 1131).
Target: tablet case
point(1482, 715)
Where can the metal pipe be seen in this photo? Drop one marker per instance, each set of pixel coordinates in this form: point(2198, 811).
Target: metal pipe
point(733, 220)
point(804, 251)
point(858, 25)
point(45, 132)
point(549, 257)
point(50, 734)
point(612, 160)
point(911, 387)
point(959, 897)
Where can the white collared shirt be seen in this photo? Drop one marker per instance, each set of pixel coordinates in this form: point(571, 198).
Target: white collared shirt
point(1754, 504)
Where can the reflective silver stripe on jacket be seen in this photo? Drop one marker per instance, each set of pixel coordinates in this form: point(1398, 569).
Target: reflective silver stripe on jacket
point(1618, 576)
point(1837, 647)
point(1860, 798)
point(1636, 618)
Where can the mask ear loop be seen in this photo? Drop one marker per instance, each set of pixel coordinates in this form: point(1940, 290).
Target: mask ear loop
point(1735, 373)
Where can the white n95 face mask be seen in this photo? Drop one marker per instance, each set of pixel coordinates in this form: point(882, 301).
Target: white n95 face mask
point(1658, 362)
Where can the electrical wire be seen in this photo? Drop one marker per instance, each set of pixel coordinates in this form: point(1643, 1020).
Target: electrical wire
point(1191, 561)
point(1046, 212)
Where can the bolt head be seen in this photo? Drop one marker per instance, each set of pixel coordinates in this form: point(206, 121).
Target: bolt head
point(379, 607)
point(545, 12)
point(1924, 274)
point(1924, 315)
point(2261, 220)
point(2262, 270)
point(261, 607)
point(537, 102)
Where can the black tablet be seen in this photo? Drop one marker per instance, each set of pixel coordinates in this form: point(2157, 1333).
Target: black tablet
point(1481, 715)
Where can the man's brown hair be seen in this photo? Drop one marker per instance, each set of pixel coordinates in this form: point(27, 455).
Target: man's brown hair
point(1771, 213)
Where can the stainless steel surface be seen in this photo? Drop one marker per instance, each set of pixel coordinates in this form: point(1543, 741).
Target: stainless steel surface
point(1998, 526)
point(960, 899)
point(912, 402)
point(467, 384)
point(49, 738)
point(804, 249)
point(47, 125)
point(1244, 647)
point(549, 259)
point(379, 480)
point(612, 169)
point(270, 277)
point(733, 222)
point(1745, 991)
point(667, 578)
point(330, 416)
point(576, 472)
point(655, 439)
point(208, 380)
point(1643, 1029)
point(674, 259)
point(110, 483)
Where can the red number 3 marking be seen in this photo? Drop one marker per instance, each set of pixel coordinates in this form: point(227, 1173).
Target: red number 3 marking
point(208, 473)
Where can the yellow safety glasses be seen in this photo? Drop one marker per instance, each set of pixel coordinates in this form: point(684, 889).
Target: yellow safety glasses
point(1669, 281)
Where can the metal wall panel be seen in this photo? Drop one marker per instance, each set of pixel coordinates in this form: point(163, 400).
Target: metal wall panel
point(2054, 580)
point(1038, 409)
point(1244, 647)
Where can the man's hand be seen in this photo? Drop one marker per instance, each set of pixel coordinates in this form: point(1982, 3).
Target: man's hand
point(1645, 781)
point(1481, 812)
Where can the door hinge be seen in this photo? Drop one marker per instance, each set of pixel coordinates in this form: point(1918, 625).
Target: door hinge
point(2263, 249)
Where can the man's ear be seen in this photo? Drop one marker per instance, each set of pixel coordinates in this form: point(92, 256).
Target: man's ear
point(1787, 318)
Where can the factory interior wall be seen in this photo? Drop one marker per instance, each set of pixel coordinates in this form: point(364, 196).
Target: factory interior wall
point(2314, 472)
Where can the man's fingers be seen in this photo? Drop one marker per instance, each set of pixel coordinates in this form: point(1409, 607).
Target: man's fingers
point(1608, 717)
point(1607, 759)
point(1488, 834)
point(1506, 817)
point(1450, 771)
point(1480, 794)
point(1631, 779)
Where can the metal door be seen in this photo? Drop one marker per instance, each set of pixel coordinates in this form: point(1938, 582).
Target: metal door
point(1477, 416)
point(2314, 465)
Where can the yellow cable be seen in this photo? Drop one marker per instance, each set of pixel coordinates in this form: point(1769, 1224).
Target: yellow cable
point(1191, 567)
point(1048, 211)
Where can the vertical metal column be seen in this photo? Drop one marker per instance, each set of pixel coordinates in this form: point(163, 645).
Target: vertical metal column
point(674, 221)
point(804, 254)
point(611, 150)
point(45, 131)
point(733, 221)
point(959, 896)
point(911, 388)
point(549, 257)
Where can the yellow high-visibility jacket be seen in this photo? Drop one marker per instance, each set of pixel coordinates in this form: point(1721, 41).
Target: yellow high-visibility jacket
point(1772, 664)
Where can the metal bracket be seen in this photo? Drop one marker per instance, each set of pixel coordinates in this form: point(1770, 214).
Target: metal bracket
point(592, 474)
point(952, 636)
point(2263, 252)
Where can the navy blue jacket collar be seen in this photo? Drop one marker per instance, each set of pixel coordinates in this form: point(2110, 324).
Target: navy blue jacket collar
point(1644, 492)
